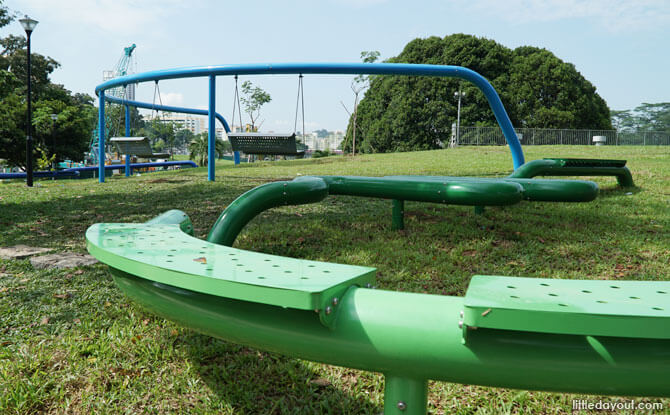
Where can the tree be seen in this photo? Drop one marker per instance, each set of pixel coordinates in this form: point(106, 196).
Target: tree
point(624, 121)
point(401, 113)
point(358, 85)
point(5, 16)
point(645, 117)
point(183, 137)
point(67, 135)
point(323, 133)
point(198, 149)
point(253, 99)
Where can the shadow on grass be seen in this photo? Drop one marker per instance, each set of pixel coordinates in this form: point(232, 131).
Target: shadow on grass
point(257, 382)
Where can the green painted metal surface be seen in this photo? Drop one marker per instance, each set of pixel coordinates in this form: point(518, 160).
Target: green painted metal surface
point(471, 191)
point(570, 162)
point(261, 198)
point(164, 253)
point(398, 214)
point(576, 167)
point(405, 396)
point(176, 217)
point(408, 337)
point(448, 190)
point(417, 336)
point(596, 308)
point(487, 191)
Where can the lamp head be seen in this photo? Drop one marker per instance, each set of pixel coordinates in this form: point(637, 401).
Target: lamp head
point(28, 24)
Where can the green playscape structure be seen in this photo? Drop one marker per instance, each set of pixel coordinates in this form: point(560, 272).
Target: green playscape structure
point(597, 337)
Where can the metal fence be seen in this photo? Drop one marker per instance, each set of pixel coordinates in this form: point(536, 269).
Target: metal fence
point(487, 136)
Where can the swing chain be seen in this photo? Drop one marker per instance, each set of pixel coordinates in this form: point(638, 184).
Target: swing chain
point(236, 99)
point(299, 99)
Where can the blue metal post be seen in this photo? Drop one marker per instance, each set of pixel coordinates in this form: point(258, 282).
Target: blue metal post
point(127, 135)
point(101, 138)
point(236, 157)
point(211, 135)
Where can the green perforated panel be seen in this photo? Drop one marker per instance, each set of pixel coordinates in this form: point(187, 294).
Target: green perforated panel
point(598, 308)
point(567, 162)
point(165, 254)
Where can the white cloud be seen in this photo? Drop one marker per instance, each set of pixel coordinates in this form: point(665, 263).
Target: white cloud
point(174, 99)
point(613, 15)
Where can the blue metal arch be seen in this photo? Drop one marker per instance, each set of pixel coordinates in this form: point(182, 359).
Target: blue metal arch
point(316, 68)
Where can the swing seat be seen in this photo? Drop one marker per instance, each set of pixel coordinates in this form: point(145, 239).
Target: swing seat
point(268, 144)
point(137, 146)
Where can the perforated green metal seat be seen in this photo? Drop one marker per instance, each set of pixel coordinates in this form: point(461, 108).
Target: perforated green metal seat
point(261, 143)
point(165, 254)
point(569, 162)
point(596, 308)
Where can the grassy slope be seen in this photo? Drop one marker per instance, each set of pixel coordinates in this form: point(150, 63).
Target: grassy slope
point(71, 342)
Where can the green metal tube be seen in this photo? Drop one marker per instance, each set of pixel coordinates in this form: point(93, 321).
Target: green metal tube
point(450, 190)
point(417, 336)
point(405, 396)
point(264, 197)
point(176, 217)
point(539, 190)
point(398, 215)
point(551, 167)
point(478, 192)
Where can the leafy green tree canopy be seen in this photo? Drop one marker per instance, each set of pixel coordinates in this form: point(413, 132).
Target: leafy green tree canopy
point(62, 122)
point(401, 113)
point(645, 117)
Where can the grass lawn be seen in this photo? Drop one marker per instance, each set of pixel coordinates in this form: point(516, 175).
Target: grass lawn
point(70, 342)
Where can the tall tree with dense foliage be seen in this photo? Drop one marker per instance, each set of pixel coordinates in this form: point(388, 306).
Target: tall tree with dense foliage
point(401, 113)
point(62, 122)
point(645, 117)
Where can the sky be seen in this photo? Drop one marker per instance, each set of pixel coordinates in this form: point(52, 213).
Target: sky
point(620, 46)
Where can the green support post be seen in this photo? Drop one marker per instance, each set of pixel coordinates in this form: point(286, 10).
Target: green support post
point(405, 396)
point(398, 215)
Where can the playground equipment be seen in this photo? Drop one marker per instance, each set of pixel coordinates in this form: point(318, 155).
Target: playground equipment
point(576, 167)
point(136, 146)
point(436, 189)
point(268, 144)
point(571, 336)
point(599, 337)
point(54, 174)
point(76, 172)
point(211, 72)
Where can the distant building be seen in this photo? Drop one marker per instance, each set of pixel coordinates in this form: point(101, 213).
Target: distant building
point(331, 142)
point(184, 122)
point(129, 93)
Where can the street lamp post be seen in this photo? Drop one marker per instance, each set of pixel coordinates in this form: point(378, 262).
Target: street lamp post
point(29, 25)
point(458, 94)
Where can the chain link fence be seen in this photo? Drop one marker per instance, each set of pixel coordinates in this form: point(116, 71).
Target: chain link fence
point(487, 136)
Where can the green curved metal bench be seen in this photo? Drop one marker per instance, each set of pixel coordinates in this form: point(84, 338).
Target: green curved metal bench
point(619, 346)
point(576, 167)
